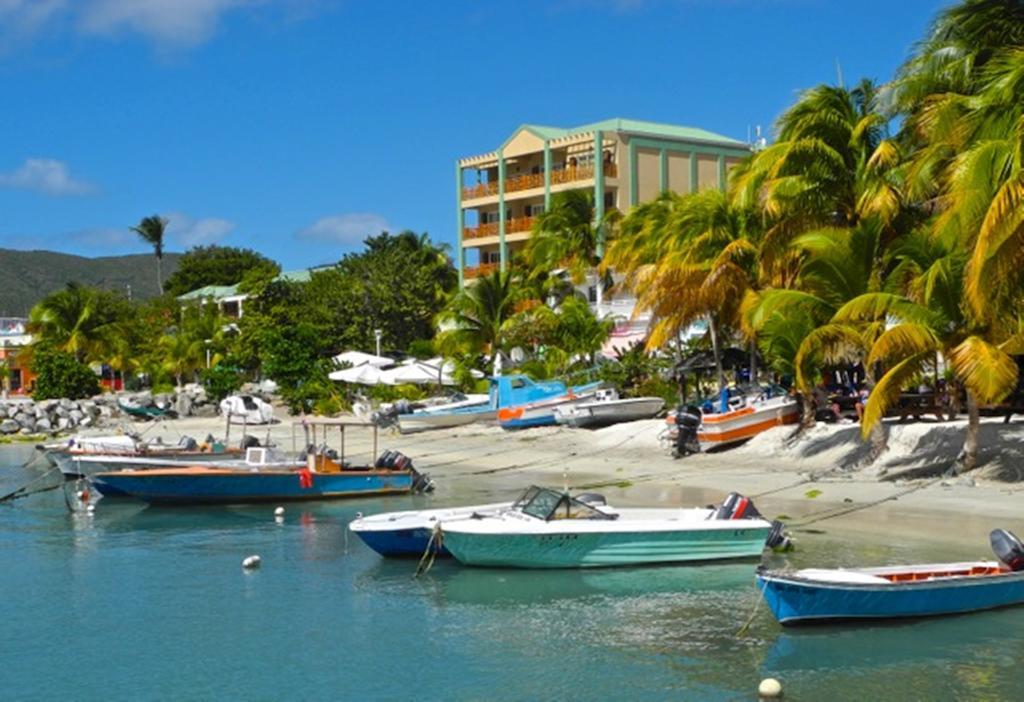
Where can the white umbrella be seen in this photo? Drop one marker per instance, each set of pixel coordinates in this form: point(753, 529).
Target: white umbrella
point(365, 374)
point(358, 358)
point(420, 373)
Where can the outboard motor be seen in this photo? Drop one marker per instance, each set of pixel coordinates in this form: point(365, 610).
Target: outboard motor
point(736, 506)
point(1008, 548)
point(777, 537)
point(687, 423)
point(249, 441)
point(187, 443)
point(383, 459)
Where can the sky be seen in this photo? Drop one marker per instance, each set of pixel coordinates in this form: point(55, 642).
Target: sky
point(299, 127)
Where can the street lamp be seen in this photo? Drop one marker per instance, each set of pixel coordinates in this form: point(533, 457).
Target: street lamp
point(378, 333)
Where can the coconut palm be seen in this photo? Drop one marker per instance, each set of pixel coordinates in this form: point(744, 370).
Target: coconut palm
point(567, 236)
point(79, 320)
point(152, 229)
point(476, 317)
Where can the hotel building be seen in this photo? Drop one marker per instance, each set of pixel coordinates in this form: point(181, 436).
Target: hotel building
point(625, 162)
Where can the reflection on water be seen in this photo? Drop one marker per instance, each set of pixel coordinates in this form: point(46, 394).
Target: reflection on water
point(161, 591)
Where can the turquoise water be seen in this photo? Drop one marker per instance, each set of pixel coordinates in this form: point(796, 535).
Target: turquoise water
point(147, 603)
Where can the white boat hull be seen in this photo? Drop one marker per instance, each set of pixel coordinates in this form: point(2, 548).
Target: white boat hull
point(726, 428)
point(423, 421)
point(595, 414)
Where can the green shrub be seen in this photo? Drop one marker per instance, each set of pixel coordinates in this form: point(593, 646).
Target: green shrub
point(60, 374)
point(220, 381)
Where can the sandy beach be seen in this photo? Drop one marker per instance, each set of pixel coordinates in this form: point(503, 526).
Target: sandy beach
point(820, 483)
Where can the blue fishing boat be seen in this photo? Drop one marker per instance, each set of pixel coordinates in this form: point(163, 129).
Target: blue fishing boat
point(409, 533)
point(827, 595)
point(523, 403)
point(324, 474)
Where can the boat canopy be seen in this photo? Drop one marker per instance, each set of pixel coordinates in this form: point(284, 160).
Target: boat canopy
point(549, 505)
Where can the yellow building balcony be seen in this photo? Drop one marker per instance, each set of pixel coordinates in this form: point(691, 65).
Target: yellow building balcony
point(479, 271)
point(516, 224)
point(536, 180)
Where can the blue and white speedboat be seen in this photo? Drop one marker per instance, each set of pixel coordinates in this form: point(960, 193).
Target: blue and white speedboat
point(523, 402)
point(824, 595)
point(408, 533)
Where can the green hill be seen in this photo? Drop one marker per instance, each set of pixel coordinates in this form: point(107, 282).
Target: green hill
point(29, 275)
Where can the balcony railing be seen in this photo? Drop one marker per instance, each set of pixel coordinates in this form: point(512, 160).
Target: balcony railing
point(516, 224)
point(478, 271)
point(536, 180)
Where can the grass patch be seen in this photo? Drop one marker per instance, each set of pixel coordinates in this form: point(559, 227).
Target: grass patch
point(811, 494)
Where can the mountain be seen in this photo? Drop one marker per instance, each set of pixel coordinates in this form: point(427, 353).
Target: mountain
point(26, 276)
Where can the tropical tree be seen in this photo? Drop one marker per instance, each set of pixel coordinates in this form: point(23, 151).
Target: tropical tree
point(567, 235)
point(151, 230)
point(217, 265)
point(79, 320)
point(476, 319)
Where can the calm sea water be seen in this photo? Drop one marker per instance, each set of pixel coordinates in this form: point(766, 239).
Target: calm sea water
point(148, 603)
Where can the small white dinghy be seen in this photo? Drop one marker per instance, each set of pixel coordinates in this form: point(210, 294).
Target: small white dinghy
point(608, 408)
point(247, 409)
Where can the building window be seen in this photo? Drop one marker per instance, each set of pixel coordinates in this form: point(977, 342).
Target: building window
point(492, 257)
point(534, 210)
point(15, 379)
point(488, 217)
point(609, 200)
point(592, 293)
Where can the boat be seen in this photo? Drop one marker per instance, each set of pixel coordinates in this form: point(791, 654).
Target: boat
point(150, 412)
point(523, 402)
point(324, 474)
point(547, 528)
point(408, 533)
point(468, 410)
point(246, 409)
point(608, 408)
point(815, 595)
point(85, 455)
point(734, 419)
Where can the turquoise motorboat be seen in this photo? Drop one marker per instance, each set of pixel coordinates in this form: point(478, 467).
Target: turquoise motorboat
point(551, 529)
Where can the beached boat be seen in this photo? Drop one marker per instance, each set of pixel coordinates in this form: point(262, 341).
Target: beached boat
point(523, 402)
point(551, 529)
point(246, 410)
point(734, 419)
point(471, 409)
point(823, 595)
point(607, 408)
point(323, 475)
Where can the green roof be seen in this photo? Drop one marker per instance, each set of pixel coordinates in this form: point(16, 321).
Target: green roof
point(634, 126)
point(215, 292)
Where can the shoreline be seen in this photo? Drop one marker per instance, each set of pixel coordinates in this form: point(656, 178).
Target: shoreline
point(814, 484)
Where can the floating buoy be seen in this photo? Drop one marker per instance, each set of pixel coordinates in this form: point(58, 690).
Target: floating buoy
point(251, 562)
point(90, 509)
point(279, 512)
point(770, 688)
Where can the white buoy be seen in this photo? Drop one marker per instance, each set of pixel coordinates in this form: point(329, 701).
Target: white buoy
point(279, 512)
point(251, 562)
point(90, 509)
point(770, 688)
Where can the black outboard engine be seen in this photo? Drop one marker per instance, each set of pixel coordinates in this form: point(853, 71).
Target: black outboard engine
point(1008, 548)
point(777, 537)
point(187, 443)
point(736, 506)
point(687, 423)
point(250, 441)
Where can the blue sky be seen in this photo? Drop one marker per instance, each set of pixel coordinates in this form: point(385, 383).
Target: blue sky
point(297, 127)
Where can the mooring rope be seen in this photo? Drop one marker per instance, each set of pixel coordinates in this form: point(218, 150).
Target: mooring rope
point(430, 553)
point(21, 492)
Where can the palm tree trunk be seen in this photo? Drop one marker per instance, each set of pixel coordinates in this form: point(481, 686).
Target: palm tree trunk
point(970, 455)
point(160, 274)
point(753, 362)
point(716, 352)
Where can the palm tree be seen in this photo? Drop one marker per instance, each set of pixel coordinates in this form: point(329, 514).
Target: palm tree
point(152, 229)
point(477, 316)
point(567, 236)
point(77, 320)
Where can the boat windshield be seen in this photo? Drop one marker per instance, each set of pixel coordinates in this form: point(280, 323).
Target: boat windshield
point(548, 505)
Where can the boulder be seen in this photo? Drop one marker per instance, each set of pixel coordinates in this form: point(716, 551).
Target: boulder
point(40, 412)
point(61, 411)
point(86, 422)
point(63, 423)
point(105, 411)
point(43, 425)
point(76, 415)
point(89, 407)
point(67, 404)
point(204, 411)
point(25, 431)
point(9, 426)
point(183, 404)
point(26, 421)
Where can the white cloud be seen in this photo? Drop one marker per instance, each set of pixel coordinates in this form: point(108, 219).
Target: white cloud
point(45, 175)
point(188, 231)
point(181, 22)
point(105, 237)
point(169, 23)
point(348, 229)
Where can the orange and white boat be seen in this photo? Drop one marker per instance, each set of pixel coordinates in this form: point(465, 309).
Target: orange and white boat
point(746, 417)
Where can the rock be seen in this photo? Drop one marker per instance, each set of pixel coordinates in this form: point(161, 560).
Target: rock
point(105, 412)
point(76, 415)
point(204, 411)
point(63, 423)
point(43, 425)
point(49, 404)
point(183, 405)
point(9, 426)
point(86, 422)
point(40, 413)
point(3, 411)
point(25, 421)
point(61, 411)
point(90, 408)
point(25, 431)
point(67, 404)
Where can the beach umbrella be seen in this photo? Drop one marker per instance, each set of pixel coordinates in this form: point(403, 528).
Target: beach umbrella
point(358, 358)
point(365, 374)
point(420, 373)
